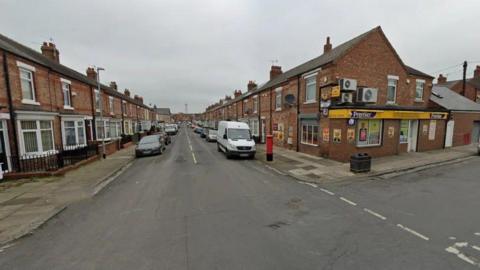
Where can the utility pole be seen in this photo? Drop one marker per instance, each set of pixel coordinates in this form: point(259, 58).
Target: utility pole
point(464, 77)
point(101, 111)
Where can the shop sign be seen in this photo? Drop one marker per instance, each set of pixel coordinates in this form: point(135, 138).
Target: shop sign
point(363, 115)
point(337, 135)
point(326, 135)
point(325, 112)
point(438, 116)
point(391, 132)
point(325, 94)
point(335, 91)
point(350, 135)
point(325, 104)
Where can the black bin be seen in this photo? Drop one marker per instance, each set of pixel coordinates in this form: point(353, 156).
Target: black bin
point(360, 162)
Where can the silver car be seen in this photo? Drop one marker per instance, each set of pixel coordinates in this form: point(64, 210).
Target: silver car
point(150, 145)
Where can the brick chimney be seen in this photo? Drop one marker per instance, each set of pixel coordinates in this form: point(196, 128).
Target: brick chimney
point(328, 46)
point(50, 51)
point(237, 93)
point(228, 97)
point(441, 79)
point(113, 85)
point(91, 73)
point(476, 73)
point(127, 92)
point(275, 71)
point(252, 85)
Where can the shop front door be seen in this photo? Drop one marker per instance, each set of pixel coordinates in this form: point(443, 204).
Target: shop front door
point(412, 136)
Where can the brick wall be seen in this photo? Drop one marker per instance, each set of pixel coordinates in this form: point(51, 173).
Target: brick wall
point(463, 127)
point(424, 143)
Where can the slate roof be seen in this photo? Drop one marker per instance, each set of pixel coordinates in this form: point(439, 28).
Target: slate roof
point(451, 100)
point(416, 72)
point(23, 51)
point(163, 111)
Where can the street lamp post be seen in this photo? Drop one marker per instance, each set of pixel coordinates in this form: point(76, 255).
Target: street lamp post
point(101, 111)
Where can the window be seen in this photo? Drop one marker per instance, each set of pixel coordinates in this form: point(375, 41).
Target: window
point(254, 127)
point(404, 126)
point(310, 89)
point(392, 89)
point(74, 131)
point(67, 95)
point(369, 132)
point(309, 133)
point(26, 82)
point(278, 99)
point(37, 136)
point(115, 129)
point(110, 104)
point(100, 129)
point(420, 85)
point(124, 108)
point(97, 100)
point(255, 104)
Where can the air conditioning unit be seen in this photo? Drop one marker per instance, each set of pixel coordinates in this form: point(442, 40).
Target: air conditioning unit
point(346, 98)
point(347, 84)
point(367, 95)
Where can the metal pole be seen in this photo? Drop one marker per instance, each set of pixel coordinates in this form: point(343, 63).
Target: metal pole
point(101, 111)
point(464, 77)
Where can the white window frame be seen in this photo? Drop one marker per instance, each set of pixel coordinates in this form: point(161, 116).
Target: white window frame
point(111, 105)
point(389, 79)
point(308, 82)
point(38, 135)
point(76, 127)
point(124, 107)
point(255, 104)
point(357, 130)
point(65, 82)
point(309, 126)
point(278, 99)
point(31, 70)
point(418, 81)
point(106, 129)
point(98, 100)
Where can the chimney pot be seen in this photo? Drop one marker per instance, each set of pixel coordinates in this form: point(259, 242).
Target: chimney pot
point(127, 92)
point(114, 85)
point(275, 71)
point(50, 51)
point(441, 79)
point(252, 85)
point(328, 46)
point(91, 73)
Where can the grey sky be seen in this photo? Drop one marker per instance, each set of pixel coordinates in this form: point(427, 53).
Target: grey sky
point(195, 52)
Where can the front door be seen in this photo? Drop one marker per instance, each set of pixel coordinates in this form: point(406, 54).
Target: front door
point(449, 133)
point(412, 136)
point(3, 153)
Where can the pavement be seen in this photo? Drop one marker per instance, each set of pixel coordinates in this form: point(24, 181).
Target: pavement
point(191, 208)
point(28, 203)
point(321, 170)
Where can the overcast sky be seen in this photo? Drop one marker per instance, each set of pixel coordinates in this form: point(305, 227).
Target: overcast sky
point(195, 52)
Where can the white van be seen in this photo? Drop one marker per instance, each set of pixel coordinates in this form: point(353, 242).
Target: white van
point(235, 139)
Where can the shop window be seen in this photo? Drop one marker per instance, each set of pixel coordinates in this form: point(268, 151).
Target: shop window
point(310, 89)
point(404, 129)
point(419, 88)
point(369, 132)
point(309, 134)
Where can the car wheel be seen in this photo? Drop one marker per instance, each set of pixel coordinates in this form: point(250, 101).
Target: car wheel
point(252, 156)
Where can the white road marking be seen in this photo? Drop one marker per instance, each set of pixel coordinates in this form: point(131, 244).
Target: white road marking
point(327, 191)
point(191, 150)
point(308, 184)
point(194, 159)
point(452, 238)
point(348, 201)
point(477, 233)
point(476, 248)
point(2, 249)
point(454, 250)
point(374, 213)
point(417, 234)
point(275, 170)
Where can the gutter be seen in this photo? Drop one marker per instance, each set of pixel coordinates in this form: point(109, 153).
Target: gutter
point(10, 106)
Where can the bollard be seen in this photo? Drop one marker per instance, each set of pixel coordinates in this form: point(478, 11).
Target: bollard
point(269, 146)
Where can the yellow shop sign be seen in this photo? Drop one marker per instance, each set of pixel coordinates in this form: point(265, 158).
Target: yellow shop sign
point(379, 114)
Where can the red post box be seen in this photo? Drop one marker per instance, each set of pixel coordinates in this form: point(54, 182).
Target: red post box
point(269, 146)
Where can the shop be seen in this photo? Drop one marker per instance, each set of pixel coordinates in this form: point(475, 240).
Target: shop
point(376, 132)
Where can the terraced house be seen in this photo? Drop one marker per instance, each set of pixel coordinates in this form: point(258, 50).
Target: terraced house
point(356, 97)
point(49, 111)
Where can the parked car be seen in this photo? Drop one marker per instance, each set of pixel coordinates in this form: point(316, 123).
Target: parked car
point(203, 134)
point(198, 130)
point(211, 135)
point(170, 129)
point(235, 139)
point(150, 145)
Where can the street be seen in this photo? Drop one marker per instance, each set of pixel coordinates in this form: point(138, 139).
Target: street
point(191, 208)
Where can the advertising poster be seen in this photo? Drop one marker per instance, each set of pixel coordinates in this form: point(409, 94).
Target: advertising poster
point(337, 135)
point(351, 135)
point(391, 132)
point(326, 135)
point(432, 129)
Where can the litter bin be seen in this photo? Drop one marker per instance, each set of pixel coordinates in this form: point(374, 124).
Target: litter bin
point(360, 162)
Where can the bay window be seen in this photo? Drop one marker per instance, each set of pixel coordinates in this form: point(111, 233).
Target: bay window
point(74, 132)
point(36, 136)
point(309, 133)
point(369, 132)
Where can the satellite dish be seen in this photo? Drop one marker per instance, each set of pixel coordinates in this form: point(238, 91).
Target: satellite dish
point(290, 99)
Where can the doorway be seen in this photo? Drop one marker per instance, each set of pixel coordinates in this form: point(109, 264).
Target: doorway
point(449, 133)
point(412, 135)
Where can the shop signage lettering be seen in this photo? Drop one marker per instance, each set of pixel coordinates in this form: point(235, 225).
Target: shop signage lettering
point(437, 116)
point(363, 115)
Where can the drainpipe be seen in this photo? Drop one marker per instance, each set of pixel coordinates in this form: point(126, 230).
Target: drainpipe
point(298, 112)
point(259, 112)
point(10, 105)
point(123, 118)
point(94, 122)
point(271, 120)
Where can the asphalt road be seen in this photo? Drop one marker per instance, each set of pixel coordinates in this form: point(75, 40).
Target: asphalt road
point(191, 208)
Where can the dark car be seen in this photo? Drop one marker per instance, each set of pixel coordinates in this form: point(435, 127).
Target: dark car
point(150, 145)
point(204, 132)
point(198, 130)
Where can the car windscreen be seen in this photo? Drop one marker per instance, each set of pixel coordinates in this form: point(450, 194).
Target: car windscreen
point(238, 134)
point(149, 139)
point(212, 132)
